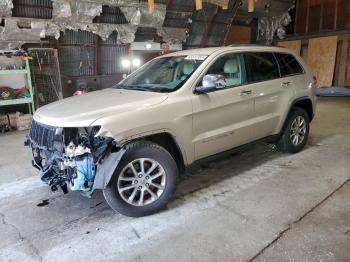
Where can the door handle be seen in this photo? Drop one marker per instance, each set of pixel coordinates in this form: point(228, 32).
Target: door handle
point(246, 92)
point(286, 84)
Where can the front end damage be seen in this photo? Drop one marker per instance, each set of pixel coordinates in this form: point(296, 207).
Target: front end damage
point(73, 157)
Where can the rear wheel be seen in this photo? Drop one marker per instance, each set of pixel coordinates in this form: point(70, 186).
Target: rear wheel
point(295, 132)
point(143, 182)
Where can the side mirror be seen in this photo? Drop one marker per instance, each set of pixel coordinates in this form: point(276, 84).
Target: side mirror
point(210, 83)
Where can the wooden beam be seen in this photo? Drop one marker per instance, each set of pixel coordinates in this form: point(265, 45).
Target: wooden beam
point(235, 8)
point(223, 3)
point(250, 6)
point(343, 53)
point(307, 16)
point(211, 15)
point(199, 4)
point(167, 4)
point(336, 15)
point(297, 3)
point(321, 16)
point(150, 6)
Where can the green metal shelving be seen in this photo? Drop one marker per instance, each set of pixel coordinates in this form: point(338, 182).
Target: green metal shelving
point(28, 82)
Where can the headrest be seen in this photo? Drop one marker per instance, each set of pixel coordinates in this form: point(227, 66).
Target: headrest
point(231, 66)
point(188, 68)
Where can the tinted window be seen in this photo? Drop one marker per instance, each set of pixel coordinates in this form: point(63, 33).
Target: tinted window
point(261, 67)
point(289, 65)
point(228, 66)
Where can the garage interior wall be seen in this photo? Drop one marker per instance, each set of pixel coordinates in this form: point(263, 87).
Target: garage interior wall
point(293, 45)
point(342, 69)
point(239, 35)
point(322, 27)
point(322, 66)
point(82, 54)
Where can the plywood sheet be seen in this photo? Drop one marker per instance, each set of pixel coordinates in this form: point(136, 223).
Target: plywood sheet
point(293, 45)
point(238, 35)
point(304, 53)
point(321, 58)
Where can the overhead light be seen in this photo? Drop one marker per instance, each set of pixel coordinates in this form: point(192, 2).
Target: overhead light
point(148, 45)
point(136, 62)
point(126, 63)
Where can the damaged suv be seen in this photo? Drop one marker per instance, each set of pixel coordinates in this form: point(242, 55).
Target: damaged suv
point(133, 139)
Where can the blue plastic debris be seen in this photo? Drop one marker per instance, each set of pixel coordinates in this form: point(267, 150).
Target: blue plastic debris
point(85, 174)
point(333, 91)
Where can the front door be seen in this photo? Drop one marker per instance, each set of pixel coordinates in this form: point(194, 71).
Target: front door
point(223, 119)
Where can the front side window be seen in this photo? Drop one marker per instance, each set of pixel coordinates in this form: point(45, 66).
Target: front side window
point(165, 74)
point(288, 65)
point(261, 67)
point(229, 66)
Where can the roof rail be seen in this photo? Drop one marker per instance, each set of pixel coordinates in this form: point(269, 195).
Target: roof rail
point(258, 45)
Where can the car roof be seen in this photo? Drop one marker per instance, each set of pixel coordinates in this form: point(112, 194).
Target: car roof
point(211, 50)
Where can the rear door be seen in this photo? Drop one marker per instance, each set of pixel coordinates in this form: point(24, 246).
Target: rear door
point(271, 92)
point(223, 119)
point(293, 76)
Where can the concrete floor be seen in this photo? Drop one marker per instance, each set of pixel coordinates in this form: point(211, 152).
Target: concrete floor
point(257, 205)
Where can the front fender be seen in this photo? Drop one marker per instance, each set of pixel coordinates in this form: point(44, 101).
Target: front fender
point(106, 169)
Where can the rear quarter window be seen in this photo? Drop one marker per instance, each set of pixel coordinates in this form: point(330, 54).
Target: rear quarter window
point(261, 67)
point(288, 65)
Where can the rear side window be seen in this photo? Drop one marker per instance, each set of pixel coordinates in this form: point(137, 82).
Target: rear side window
point(261, 67)
point(289, 65)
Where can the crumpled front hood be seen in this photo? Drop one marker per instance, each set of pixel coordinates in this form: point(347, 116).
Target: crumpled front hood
point(79, 111)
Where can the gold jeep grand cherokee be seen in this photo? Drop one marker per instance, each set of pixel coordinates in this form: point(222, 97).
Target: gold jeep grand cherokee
point(133, 139)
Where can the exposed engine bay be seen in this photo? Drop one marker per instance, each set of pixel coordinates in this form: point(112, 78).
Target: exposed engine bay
point(68, 156)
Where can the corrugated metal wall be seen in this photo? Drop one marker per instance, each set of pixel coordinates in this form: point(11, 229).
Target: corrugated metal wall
point(32, 8)
point(84, 54)
point(111, 15)
point(110, 55)
point(76, 53)
point(76, 61)
point(81, 53)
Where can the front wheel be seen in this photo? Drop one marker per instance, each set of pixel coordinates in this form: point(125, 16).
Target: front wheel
point(143, 182)
point(296, 131)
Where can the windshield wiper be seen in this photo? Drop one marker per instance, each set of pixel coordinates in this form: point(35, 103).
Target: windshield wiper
point(135, 87)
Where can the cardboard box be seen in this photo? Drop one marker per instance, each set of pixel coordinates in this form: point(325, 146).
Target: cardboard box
point(13, 120)
point(3, 120)
point(23, 121)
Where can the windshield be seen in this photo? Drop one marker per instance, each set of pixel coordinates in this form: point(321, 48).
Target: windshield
point(165, 74)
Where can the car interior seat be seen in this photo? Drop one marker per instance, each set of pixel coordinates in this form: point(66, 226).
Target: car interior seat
point(187, 70)
point(231, 70)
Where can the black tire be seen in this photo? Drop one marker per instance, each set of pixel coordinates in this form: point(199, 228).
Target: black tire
point(134, 151)
point(285, 143)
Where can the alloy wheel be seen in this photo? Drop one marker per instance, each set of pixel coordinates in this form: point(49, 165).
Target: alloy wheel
point(298, 131)
point(141, 182)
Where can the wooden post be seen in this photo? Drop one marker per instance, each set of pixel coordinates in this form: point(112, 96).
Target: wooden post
point(213, 11)
point(250, 6)
point(150, 6)
point(340, 77)
point(336, 15)
point(307, 17)
point(296, 15)
point(199, 4)
point(320, 28)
